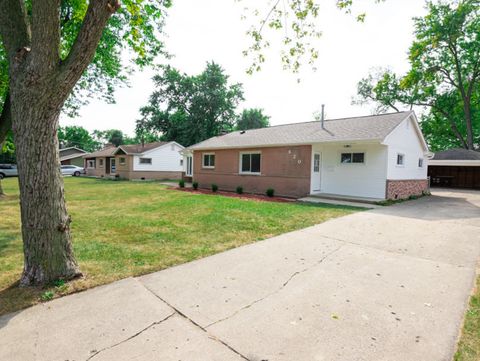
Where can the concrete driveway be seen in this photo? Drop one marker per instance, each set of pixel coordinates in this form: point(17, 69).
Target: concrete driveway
point(387, 284)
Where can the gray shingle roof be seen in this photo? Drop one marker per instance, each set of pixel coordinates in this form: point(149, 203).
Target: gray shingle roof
point(457, 154)
point(374, 127)
point(139, 148)
point(105, 152)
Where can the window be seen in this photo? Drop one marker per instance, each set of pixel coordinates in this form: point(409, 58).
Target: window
point(122, 161)
point(400, 159)
point(420, 162)
point(250, 163)
point(347, 158)
point(208, 160)
point(91, 163)
point(100, 163)
point(316, 162)
point(145, 160)
point(189, 169)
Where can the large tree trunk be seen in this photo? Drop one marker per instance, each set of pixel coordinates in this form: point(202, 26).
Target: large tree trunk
point(45, 222)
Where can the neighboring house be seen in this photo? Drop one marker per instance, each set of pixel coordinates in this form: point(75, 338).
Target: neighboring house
point(159, 160)
point(376, 157)
point(72, 156)
point(458, 168)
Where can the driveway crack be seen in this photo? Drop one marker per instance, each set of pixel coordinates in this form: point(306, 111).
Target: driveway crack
point(96, 353)
point(285, 284)
point(180, 313)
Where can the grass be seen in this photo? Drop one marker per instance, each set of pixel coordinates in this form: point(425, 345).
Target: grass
point(469, 344)
point(123, 229)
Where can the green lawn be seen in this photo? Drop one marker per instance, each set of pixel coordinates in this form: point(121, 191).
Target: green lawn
point(123, 229)
point(469, 344)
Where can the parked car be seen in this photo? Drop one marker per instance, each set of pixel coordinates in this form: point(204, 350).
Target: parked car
point(8, 170)
point(72, 170)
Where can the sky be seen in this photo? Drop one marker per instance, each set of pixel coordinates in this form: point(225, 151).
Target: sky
point(212, 30)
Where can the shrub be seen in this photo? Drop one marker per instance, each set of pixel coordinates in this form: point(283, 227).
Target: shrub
point(239, 189)
point(195, 185)
point(214, 188)
point(270, 192)
point(181, 183)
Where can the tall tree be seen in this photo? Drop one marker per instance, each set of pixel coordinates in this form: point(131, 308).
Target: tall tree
point(189, 109)
point(76, 136)
point(444, 74)
point(46, 47)
point(252, 119)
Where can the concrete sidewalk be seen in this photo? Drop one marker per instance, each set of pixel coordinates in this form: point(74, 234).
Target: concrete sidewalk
point(387, 284)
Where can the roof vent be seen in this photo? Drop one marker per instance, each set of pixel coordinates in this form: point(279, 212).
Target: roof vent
point(223, 132)
point(323, 116)
point(242, 132)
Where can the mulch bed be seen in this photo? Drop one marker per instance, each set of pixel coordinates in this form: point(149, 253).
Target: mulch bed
point(247, 196)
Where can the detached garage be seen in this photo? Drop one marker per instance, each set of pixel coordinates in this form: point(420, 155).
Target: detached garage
point(455, 168)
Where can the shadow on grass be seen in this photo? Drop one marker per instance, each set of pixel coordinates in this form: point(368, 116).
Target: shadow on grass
point(15, 298)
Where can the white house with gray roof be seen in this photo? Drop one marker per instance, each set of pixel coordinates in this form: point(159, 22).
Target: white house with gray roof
point(375, 157)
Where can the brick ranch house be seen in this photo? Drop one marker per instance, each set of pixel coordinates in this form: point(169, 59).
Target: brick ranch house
point(376, 157)
point(159, 160)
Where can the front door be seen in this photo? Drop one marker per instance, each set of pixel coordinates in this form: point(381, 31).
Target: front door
point(113, 167)
point(316, 180)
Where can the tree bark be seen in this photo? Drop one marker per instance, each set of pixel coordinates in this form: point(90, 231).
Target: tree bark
point(39, 85)
point(45, 222)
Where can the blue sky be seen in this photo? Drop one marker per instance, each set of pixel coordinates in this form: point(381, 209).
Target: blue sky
point(201, 31)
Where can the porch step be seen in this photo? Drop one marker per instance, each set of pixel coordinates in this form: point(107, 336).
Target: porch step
point(369, 203)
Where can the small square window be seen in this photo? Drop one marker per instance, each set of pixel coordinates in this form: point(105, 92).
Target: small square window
point(145, 160)
point(123, 161)
point(346, 158)
point(400, 159)
point(209, 160)
point(420, 162)
point(100, 163)
point(358, 157)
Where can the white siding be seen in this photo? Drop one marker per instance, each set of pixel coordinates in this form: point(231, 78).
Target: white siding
point(360, 180)
point(165, 158)
point(405, 140)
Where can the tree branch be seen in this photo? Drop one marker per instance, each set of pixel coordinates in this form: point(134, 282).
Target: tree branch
point(14, 27)
point(83, 50)
point(5, 119)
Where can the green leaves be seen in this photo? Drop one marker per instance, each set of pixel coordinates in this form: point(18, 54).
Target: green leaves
point(252, 119)
point(189, 109)
point(444, 75)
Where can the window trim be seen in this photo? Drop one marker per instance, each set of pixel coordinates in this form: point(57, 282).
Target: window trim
point(402, 165)
point(352, 153)
point(240, 160)
point(203, 161)
point(100, 163)
point(120, 161)
point(143, 163)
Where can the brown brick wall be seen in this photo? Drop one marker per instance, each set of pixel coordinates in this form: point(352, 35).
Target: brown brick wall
point(401, 189)
point(285, 169)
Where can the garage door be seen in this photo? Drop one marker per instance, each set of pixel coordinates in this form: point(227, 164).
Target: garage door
point(454, 176)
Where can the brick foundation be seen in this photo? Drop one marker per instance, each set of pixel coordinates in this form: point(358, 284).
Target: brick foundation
point(401, 189)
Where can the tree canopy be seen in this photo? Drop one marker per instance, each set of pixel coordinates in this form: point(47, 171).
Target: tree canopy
point(252, 119)
point(444, 76)
point(191, 108)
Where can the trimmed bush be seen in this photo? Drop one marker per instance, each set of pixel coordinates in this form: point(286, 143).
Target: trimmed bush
point(181, 183)
point(195, 185)
point(214, 188)
point(239, 189)
point(270, 192)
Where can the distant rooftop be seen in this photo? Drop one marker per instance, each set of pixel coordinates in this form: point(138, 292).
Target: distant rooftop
point(373, 127)
point(457, 154)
